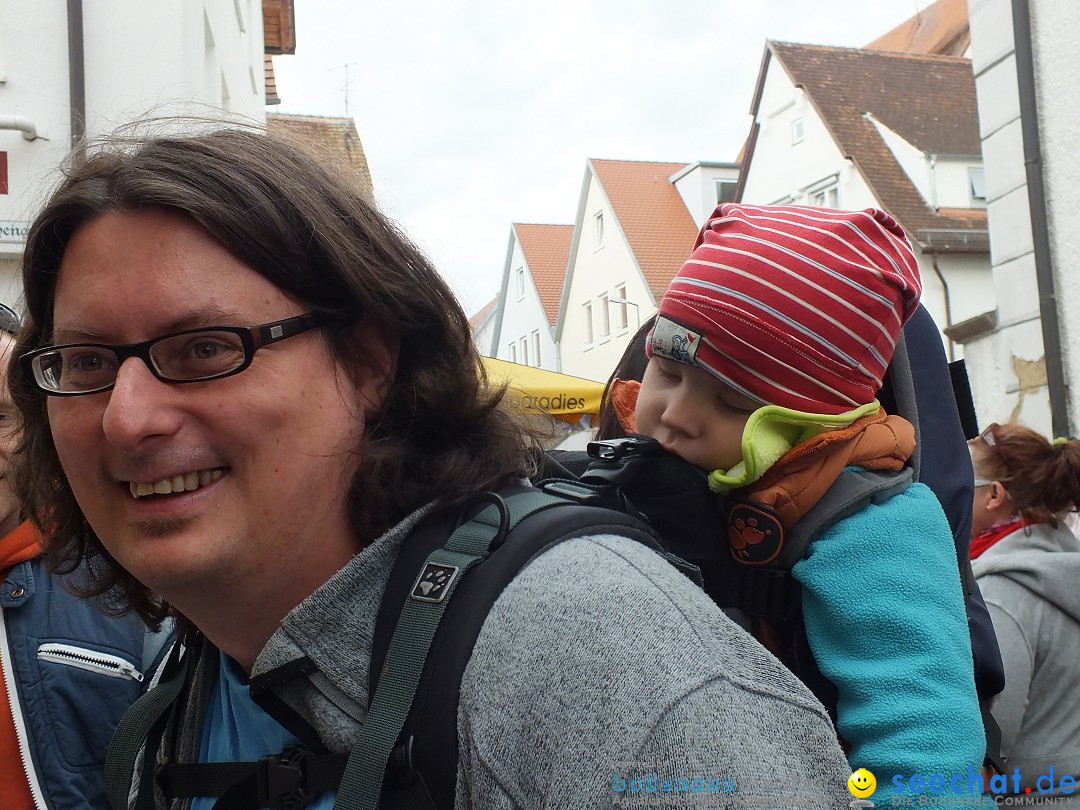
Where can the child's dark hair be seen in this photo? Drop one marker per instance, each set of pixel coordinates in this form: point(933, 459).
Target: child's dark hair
point(1041, 477)
point(631, 366)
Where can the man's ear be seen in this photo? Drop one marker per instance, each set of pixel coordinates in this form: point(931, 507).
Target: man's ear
point(374, 367)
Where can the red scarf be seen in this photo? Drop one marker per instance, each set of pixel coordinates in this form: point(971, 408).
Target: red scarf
point(988, 537)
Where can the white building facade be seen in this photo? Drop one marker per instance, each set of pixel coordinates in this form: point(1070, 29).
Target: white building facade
point(798, 157)
point(1028, 82)
point(602, 266)
point(522, 330)
point(132, 59)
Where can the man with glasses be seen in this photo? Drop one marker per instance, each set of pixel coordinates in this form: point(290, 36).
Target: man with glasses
point(243, 389)
point(68, 671)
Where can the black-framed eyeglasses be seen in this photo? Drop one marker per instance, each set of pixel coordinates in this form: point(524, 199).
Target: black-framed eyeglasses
point(193, 355)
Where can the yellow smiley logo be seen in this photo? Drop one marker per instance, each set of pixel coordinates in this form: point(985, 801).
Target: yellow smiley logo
point(861, 783)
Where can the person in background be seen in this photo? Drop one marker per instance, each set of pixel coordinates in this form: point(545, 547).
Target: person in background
point(1028, 566)
point(68, 670)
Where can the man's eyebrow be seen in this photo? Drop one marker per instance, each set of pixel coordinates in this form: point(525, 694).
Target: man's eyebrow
point(212, 316)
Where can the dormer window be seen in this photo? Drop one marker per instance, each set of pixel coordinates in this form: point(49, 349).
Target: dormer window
point(977, 186)
point(725, 191)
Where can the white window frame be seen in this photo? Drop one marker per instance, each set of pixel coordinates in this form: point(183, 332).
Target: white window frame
point(513, 351)
point(524, 348)
point(798, 130)
point(598, 229)
point(520, 283)
point(605, 318)
point(536, 347)
point(622, 311)
point(828, 197)
point(587, 308)
point(825, 193)
point(721, 185)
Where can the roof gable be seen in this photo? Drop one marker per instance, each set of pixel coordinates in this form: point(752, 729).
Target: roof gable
point(929, 101)
point(546, 249)
point(336, 136)
point(651, 214)
point(940, 29)
point(483, 315)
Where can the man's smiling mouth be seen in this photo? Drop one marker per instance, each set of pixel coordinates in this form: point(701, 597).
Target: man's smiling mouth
point(188, 482)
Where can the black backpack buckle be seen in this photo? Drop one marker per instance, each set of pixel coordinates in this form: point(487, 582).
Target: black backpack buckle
point(618, 449)
point(282, 779)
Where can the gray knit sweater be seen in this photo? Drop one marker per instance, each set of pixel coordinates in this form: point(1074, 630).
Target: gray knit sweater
point(601, 677)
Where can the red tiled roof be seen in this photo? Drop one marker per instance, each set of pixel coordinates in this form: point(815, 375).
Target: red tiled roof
point(940, 29)
point(652, 214)
point(546, 249)
point(321, 134)
point(482, 315)
point(927, 100)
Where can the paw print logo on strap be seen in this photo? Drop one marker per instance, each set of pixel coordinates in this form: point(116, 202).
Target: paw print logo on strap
point(746, 533)
point(755, 534)
point(434, 582)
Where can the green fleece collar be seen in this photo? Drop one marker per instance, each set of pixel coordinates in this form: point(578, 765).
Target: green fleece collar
point(770, 432)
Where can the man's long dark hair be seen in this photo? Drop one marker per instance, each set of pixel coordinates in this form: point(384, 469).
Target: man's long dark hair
point(316, 235)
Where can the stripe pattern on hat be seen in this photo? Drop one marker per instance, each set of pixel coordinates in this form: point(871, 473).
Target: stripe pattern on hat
point(792, 305)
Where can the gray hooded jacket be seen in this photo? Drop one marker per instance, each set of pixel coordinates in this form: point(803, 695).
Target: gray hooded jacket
point(1031, 583)
point(600, 673)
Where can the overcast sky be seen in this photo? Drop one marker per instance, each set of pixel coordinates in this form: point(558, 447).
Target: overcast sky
point(477, 114)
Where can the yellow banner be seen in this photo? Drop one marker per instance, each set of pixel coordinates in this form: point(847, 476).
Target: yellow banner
point(536, 390)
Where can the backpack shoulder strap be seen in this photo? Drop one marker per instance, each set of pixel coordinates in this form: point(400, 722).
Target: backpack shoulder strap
point(136, 726)
point(422, 769)
point(854, 490)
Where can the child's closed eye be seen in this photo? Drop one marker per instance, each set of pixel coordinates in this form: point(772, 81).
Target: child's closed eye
point(668, 372)
point(724, 405)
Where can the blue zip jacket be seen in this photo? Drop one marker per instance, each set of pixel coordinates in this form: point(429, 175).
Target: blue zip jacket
point(70, 672)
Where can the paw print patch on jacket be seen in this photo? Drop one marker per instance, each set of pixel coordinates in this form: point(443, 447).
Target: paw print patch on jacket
point(755, 534)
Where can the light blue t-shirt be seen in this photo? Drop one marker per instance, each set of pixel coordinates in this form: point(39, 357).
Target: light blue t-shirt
point(236, 729)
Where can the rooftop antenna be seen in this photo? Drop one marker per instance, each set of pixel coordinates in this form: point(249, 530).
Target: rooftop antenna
point(345, 67)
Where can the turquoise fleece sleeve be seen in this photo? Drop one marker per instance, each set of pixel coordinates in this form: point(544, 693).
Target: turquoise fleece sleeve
point(885, 619)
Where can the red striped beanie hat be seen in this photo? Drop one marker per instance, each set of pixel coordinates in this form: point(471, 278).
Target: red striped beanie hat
point(793, 306)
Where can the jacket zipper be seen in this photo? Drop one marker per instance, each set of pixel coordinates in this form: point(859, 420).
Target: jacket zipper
point(111, 665)
point(17, 716)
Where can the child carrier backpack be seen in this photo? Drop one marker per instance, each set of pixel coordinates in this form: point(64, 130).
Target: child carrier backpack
point(920, 386)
